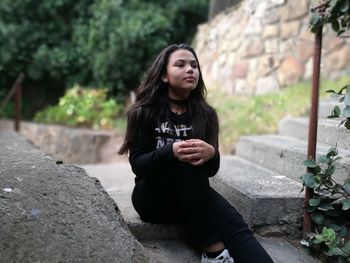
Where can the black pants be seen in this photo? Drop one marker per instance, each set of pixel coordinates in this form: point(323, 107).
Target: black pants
point(182, 194)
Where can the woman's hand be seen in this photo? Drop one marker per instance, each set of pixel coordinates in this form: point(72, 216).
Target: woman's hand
point(194, 151)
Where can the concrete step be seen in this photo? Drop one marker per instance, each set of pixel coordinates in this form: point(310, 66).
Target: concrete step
point(118, 180)
point(164, 243)
point(143, 230)
point(255, 192)
point(328, 131)
point(325, 107)
point(180, 251)
point(171, 251)
point(283, 252)
point(285, 155)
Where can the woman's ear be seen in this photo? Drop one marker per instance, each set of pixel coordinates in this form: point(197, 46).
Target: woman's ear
point(165, 78)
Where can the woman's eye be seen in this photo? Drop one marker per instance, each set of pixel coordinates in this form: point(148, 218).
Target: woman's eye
point(194, 66)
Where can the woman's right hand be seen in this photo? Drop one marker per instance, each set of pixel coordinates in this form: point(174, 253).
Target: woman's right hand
point(194, 151)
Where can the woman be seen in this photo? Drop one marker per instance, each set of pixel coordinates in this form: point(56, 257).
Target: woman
point(172, 139)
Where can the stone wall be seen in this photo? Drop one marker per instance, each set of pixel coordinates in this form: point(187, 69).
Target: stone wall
point(74, 146)
point(262, 46)
point(218, 6)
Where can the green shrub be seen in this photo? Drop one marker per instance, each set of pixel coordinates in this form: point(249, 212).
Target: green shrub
point(81, 107)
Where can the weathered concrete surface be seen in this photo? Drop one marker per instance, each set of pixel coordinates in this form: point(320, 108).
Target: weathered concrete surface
point(256, 191)
point(171, 251)
point(283, 252)
point(328, 131)
point(117, 179)
point(285, 155)
point(56, 213)
point(71, 145)
point(326, 106)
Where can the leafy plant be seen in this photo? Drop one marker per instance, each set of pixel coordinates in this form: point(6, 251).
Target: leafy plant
point(96, 43)
point(328, 208)
point(81, 107)
point(335, 12)
point(342, 113)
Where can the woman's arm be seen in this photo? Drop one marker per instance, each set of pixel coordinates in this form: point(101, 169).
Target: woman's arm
point(145, 160)
point(198, 152)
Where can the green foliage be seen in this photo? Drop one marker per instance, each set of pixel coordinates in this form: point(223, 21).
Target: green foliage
point(343, 96)
point(82, 108)
point(121, 41)
point(328, 208)
point(99, 43)
point(334, 12)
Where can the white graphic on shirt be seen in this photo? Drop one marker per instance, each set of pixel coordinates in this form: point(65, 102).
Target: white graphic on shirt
point(167, 133)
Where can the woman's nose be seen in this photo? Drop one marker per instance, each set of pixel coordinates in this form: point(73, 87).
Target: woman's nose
point(189, 68)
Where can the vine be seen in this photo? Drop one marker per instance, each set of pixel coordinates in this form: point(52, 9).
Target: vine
point(329, 207)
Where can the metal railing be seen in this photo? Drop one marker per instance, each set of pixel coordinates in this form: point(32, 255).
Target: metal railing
point(16, 91)
point(313, 120)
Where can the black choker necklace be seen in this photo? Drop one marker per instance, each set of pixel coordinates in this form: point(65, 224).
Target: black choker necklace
point(178, 102)
point(180, 105)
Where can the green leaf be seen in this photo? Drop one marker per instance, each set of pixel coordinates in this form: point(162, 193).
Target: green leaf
point(333, 116)
point(315, 201)
point(318, 239)
point(310, 209)
point(336, 111)
point(330, 170)
point(347, 246)
point(310, 180)
point(335, 251)
point(310, 163)
point(317, 218)
point(346, 186)
point(315, 18)
point(347, 124)
point(346, 204)
point(335, 25)
point(324, 159)
point(344, 6)
point(325, 207)
point(333, 151)
point(346, 112)
point(343, 88)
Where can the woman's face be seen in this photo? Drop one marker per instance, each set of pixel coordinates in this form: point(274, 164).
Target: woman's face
point(182, 74)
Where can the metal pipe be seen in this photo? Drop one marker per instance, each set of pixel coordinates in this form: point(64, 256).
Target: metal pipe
point(18, 102)
point(312, 136)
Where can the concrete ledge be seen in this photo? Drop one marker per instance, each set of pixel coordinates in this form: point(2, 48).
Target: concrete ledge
point(144, 231)
point(328, 131)
point(270, 203)
point(285, 155)
point(71, 145)
point(56, 213)
point(326, 106)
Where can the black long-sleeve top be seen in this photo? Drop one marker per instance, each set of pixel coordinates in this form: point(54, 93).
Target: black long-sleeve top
point(153, 153)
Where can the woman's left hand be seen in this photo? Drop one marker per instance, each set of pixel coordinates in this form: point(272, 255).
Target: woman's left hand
point(195, 151)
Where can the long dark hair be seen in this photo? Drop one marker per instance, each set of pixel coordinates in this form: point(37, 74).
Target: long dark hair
point(151, 103)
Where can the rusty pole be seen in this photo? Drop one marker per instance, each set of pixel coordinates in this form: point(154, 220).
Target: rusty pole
point(312, 136)
point(18, 102)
